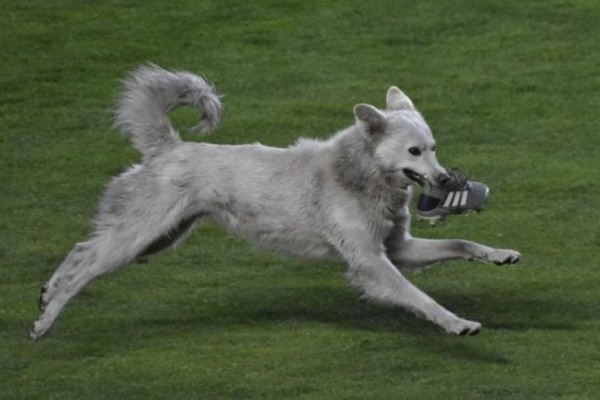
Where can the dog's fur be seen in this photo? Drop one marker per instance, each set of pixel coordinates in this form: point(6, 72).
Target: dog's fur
point(345, 196)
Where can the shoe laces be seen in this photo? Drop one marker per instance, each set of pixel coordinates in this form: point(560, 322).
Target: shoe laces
point(457, 179)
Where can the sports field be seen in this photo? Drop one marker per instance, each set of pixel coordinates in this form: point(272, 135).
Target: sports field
point(511, 90)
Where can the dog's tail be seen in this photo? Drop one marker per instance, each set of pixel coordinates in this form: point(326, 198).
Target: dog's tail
point(150, 93)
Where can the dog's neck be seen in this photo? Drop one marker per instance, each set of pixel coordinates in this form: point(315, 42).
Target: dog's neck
point(357, 171)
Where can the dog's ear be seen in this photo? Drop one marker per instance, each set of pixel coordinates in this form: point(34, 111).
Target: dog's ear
point(373, 119)
point(396, 100)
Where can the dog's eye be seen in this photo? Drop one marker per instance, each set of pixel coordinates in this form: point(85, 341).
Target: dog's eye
point(433, 149)
point(415, 151)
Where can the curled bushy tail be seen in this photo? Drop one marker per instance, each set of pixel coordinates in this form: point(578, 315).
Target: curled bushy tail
point(150, 93)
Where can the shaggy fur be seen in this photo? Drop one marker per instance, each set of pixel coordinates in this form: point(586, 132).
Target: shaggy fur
point(346, 196)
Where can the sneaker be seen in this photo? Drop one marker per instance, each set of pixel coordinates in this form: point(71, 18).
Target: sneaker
point(456, 196)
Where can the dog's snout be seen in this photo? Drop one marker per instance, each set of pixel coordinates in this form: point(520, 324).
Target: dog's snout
point(443, 178)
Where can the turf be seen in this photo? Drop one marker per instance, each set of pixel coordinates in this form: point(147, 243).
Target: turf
point(510, 89)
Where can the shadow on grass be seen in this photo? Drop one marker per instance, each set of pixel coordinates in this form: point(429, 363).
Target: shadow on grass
point(343, 307)
point(208, 313)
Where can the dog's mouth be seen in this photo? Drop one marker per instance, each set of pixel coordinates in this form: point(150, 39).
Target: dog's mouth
point(414, 176)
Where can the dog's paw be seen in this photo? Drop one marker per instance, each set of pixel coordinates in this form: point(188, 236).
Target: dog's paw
point(503, 256)
point(38, 330)
point(463, 327)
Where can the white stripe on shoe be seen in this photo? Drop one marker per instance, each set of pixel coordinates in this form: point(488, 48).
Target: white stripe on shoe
point(463, 200)
point(455, 199)
point(448, 200)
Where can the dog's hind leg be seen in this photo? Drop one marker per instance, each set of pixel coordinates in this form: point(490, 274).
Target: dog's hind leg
point(86, 261)
point(107, 250)
point(80, 254)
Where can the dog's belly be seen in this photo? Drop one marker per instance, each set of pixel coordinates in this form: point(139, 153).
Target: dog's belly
point(301, 244)
point(287, 235)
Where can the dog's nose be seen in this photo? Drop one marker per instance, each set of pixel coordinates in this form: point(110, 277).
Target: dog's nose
point(443, 178)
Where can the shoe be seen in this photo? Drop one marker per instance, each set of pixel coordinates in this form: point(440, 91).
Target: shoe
point(457, 195)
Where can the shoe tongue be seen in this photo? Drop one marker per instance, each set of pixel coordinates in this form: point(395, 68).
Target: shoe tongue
point(457, 179)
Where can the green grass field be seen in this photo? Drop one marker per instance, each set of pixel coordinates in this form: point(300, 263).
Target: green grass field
point(511, 90)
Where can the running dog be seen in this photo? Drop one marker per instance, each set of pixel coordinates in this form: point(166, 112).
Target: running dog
point(345, 196)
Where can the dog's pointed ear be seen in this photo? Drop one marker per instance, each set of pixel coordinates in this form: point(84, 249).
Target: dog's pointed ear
point(396, 100)
point(373, 119)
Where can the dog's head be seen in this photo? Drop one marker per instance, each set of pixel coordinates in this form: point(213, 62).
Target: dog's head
point(403, 143)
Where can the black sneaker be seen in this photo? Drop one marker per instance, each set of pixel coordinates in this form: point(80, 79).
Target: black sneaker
point(457, 195)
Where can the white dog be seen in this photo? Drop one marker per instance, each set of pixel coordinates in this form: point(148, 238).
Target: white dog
point(346, 196)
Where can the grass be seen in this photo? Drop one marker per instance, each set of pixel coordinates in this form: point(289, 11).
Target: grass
point(511, 91)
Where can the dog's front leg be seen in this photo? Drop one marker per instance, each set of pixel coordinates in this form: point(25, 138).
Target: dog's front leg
point(415, 253)
point(376, 276)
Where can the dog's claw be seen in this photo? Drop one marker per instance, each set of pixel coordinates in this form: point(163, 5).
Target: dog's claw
point(470, 332)
point(32, 334)
point(503, 257)
point(509, 260)
point(41, 303)
point(465, 328)
point(475, 332)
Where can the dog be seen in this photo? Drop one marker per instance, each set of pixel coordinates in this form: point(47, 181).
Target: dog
point(346, 197)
